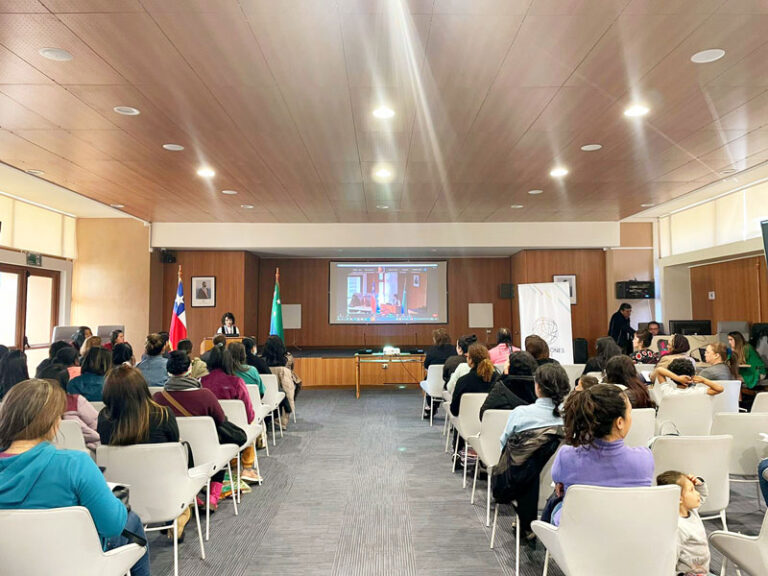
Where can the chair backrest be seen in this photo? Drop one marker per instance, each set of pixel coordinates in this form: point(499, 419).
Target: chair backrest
point(72, 545)
point(705, 456)
point(761, 403)
point(749, 552)
point(63, 333)
point(235, 412)
point(646, 520)
point(254, 395)
point(271, 388)
point(643, 427)
point(97, 405)
point(691, 414)
point(491, 428)
point(435, 380)
point(105, 332)
point(154, 472)
point(574, 371)
point(155, 389)
point(726, 326)
point(200, 432)
point(70, 436)
point(748, 446)
point(545, 481)
point(469, 413)
point(728, 399)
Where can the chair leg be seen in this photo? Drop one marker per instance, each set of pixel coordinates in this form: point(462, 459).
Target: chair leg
point(722, 518)
point(546, 564)
point(265, 438)
point(239, 491)
point(423, 406)
point(274, 440)
point(199, 530)
point(455, 452)
point(723, 567)
point(517, 544)
point(488, 497)
point(474, 484)
point(175, 547)
point(447, 433)
point(445, 428)
point(280, 421)
point(431, 410)
point(256, 462)
point(232, 486)
point(495, 518)
point(466, 463)
point(294, 414)
point(208, 510)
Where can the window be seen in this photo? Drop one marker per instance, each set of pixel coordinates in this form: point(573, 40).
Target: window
point(29, 305)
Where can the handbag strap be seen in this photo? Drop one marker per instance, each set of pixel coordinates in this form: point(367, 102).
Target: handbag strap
point(175, 404)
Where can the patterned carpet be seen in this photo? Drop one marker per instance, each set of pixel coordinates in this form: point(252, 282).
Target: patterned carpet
point(363, 487)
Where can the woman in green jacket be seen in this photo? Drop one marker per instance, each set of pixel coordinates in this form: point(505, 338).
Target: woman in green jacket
point(746, 354)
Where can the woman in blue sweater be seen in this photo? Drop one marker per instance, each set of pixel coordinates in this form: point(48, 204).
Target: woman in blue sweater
point(35, 475)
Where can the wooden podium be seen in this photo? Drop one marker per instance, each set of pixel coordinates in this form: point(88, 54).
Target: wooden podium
point(381, 369)
point(207, 343)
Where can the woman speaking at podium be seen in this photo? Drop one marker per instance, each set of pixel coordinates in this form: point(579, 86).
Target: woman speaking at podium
point(228, 327)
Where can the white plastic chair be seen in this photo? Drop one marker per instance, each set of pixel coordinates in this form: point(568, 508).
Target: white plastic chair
point(690, 413)
point(155, 389)
point(161, 486)
point(432, 386)
point(261, 411)
point(200, 432)
point(447, 425)
point(761, 403)
point(235, 412)
point(467, 424)
point(488, 447)
point(98, 406)
point(748, 447)
point(643, 427)
point(72, 546)
point(705, 456)
point(747, 552)
point(591, 510)
point(273, 397)
point(574, 371)
point(728, 399)
point(70, 437)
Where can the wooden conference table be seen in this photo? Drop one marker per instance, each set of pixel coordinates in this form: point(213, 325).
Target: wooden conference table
point(380, 369)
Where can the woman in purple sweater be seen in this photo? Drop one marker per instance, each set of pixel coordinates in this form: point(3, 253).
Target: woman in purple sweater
point(596, 422)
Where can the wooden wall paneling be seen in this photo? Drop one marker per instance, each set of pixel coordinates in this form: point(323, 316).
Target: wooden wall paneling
point(763, 279)
point(519, 276)
point(249, 324)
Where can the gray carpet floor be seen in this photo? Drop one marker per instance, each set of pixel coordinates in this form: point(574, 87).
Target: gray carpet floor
point(363, 487)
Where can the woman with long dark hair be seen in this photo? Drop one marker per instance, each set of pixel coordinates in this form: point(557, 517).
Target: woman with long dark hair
point(621, 370)
point(746, 354)
point(281, 365)
point(13, 369)
point(606, 349)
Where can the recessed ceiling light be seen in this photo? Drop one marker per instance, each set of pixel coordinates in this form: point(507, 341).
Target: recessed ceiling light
point(57, 54)
point(206, 172)
point(516, 206)
point(35, 172)
point(382, 206)
point(127, 110)
point(591, 147)
point(383, 112)
point(728, 171)
point(647, 205)
point(246, 206)
point(434, 249)
point(535, 192)
point(707, 56)
point(173, 147)
point(117, 205)
point(229, 192)
point(558, 172)
point(636, 110)
point(383, 174)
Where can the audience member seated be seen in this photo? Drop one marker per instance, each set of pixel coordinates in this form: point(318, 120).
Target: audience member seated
point(722, 366)
point(678, 348)
point(69, 357)
point(680, 378)
point(654, 328)
point(516, 387)
point(80, 336)
point(532, 435)
point(222, 381)
point(500, 353)
point(197, 368)
point(254, 360)
point(643, 354)
point(762, 475)
point(92, 342)
point(693, 555)
point(3, 352)
point(586, 381)
point(280, 364)
point(453, 362)
point(35, 475)
point(606, 349)
point(78, 408)
point(228, 327)
point(115, 337)
point(248, 373)
point(537, 347)
point(596, 422)
point(441, 348)
point(480, 378)
point(52, 351)
point(89, 384)
point(13, 370)
point(166, 337)
point(621, 371)
point(219, 340)
point(746, 354)
point(152, 365)
point(122, 353)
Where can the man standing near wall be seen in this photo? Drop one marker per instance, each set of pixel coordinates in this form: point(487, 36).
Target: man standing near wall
point(619, 328)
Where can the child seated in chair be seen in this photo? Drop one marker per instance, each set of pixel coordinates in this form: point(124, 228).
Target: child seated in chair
point(693, 554)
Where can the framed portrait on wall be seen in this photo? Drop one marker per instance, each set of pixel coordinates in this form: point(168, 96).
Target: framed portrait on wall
point(571, 280)
point(203, 291)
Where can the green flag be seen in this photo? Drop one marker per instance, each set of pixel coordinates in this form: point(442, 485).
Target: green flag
point(276, 320)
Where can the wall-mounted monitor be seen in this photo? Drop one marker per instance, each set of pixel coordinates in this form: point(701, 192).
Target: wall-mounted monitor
point(690, 327)
point(388, 293)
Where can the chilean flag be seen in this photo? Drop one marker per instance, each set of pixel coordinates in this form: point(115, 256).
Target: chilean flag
point(178, 329)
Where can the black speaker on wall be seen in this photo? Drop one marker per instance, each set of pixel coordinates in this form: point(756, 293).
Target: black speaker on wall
point(167, 257)
point(506, 291)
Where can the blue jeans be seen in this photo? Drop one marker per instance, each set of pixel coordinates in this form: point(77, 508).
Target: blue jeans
point(762, 467)
point(133, 524)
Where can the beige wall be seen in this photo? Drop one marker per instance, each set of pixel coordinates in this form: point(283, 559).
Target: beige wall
point(111, 281)
point(632, 261)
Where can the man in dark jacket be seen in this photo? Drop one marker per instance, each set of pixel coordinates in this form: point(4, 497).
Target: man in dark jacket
point(620, 330)
point(462, 345)
point(516, 387)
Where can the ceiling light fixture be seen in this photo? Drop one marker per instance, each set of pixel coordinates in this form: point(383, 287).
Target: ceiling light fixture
point(649, 205)
point(591, 147)
point(535, 192)
point(516, 206)
point(383, 112)
point(56, 54)
point(173, 147)
point(35, 172)
point(707, 56)
point(206, 172)
point(127, 110)
point(117, 205)
point(636, 111)
point(229, 192)
point(558, 172)
point(382, 206)
point(246, 206)
point(728, 171)
point(383, 174)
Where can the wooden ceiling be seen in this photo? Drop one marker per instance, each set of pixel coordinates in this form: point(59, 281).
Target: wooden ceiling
point(277, 95)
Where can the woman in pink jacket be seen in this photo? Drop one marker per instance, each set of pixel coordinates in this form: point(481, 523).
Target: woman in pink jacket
point(78, 408)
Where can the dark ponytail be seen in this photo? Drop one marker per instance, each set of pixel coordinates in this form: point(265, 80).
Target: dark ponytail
point(553, 384)
point(590, 414)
